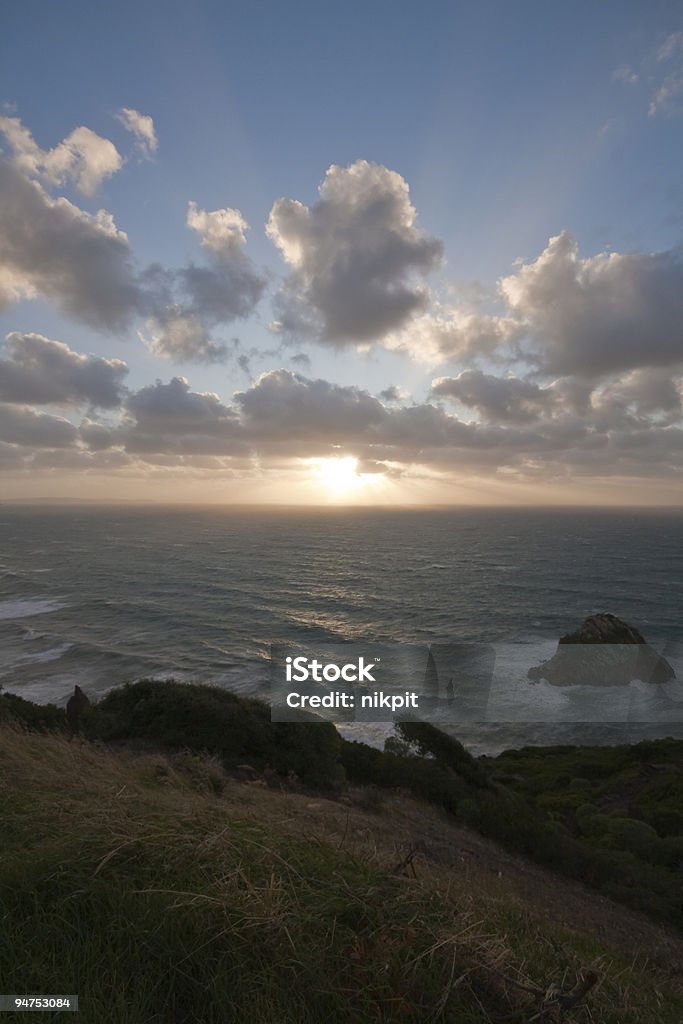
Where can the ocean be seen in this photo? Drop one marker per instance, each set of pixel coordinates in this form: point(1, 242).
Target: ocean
point(100, 595)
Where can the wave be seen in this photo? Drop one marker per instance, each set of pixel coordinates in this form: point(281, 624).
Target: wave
point(24, 608)
point(24, 658)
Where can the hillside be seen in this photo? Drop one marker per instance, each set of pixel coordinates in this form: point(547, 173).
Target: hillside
point(160, 887)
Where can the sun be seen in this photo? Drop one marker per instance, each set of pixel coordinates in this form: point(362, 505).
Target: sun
point(339, 475)
point(343, 477)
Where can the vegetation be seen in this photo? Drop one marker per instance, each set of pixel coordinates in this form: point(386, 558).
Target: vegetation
point(161, 890)
point(607, 816)
point(109, 850)
point(238, 730)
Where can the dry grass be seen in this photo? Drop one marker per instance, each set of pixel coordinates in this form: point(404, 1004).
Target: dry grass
point(161, 890)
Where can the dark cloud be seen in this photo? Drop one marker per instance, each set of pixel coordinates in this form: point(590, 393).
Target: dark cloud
point(40, 371)
point(638, 399)
point(50, 248)
point(354, 255)
point(391, 394)
point(285, 404)
point(499, 399)
point(22, 425)
point(172, 418)
point(173, 407)
point(631, 428)
point(188, 304)
point(222, 294)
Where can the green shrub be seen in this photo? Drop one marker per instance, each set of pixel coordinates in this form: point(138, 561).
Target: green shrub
point(469, 813)
point(593, 825)
point(206, 718)
point(635, 836)
point(430, 741)
point(41, 717)
point(666, 821)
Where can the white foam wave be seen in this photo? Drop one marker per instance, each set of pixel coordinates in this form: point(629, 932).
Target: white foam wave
point(25, 607)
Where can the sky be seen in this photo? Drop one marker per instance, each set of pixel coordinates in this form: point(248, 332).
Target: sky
point(376, 252)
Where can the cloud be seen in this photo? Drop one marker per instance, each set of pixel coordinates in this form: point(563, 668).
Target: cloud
point(354, 256)
point(171, 418)
point(142, 127)
point(49, 248)
point(173, 406)
point(628, 427)
point(52, 249)
point(192, 301)
point(40, 371)
point(667, 89)
point(393, 394)
point(626, 75)
point(604, 313)
point(222, 232)
point(283, 404)
point(229, 292)
point(499, 399)
point(180, 336)
point(664, 100)
point(83, 157)
point(638, 400)
point(447, 332)
point(24, 426)
point(672, 45)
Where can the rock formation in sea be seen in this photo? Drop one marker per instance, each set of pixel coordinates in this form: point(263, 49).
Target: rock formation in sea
point(603, 651)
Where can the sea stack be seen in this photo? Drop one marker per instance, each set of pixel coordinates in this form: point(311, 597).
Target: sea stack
point(603, 651)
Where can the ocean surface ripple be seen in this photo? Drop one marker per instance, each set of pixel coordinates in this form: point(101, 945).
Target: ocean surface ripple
point(102, 595)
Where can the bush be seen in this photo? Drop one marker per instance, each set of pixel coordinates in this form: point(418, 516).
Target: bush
point(206, 718)
point(448, 751)
point(469, 813)
point(39, 717)
point(635, 836)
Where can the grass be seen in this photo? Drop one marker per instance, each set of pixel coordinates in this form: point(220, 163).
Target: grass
point(161, 890)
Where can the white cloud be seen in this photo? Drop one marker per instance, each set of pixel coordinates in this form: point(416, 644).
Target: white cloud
point(83, 158)
point(672, 45)
point(142, 127)
point(354, 256)
point(626, 75)
point(446, 333)
point(664, 100)
point(222, 232)
point(608, 312)
point(180, 336)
